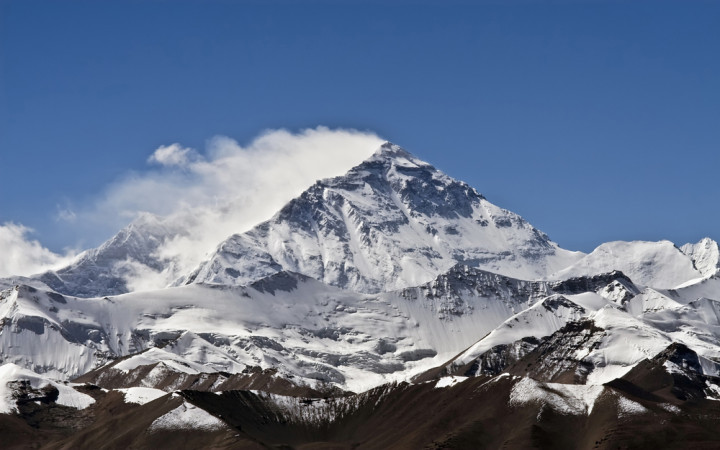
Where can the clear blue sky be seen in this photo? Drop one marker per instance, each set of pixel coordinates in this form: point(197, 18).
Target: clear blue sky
point(595, 120)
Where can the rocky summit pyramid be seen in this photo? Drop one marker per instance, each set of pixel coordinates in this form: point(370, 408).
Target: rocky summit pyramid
point(391, 222)
point(391, 307)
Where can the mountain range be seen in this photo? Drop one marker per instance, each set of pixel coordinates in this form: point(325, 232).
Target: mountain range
point(391, 307)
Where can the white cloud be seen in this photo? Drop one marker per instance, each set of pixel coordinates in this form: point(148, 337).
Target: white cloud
point(173, 155)
point(226, 189)
point(256, 179)
point(66, 215)
point(22, 256)
point(140, 277)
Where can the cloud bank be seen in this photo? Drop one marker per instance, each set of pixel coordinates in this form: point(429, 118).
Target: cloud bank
point(22, 256)
point(227, 188)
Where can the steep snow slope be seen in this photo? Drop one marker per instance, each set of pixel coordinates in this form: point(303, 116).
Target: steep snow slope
point(542, 319)
point(33, 335)
point(707, 287)
point(391, 222)
point(657, 264)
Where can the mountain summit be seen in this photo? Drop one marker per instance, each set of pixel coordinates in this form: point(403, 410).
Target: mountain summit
point(392, 221)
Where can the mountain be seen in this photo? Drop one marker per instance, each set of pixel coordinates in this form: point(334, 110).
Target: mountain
point(391, 222)
point(391, 307)
point(113, 267)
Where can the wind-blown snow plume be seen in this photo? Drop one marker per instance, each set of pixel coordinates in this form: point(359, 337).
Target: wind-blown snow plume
point(173, 155)
point(20, 255)
point(259, 177)
point(226, 189)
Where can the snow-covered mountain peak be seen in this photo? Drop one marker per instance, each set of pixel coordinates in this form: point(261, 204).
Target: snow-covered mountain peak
point(391, 222)
point(705, 256)
point(394, 154)
point(398, 176)
point(112, 267)
point(385, 159)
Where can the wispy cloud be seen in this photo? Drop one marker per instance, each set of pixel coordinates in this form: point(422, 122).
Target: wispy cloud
point(65, 215)
point(173, 155)
point(224, 189)
point(21, 256)
point(251, 180)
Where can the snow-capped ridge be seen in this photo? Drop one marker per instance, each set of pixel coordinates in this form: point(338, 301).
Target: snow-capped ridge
point(541, 319)
point(657, 264)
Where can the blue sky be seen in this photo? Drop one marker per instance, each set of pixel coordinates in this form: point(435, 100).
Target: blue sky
point(595, 120)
